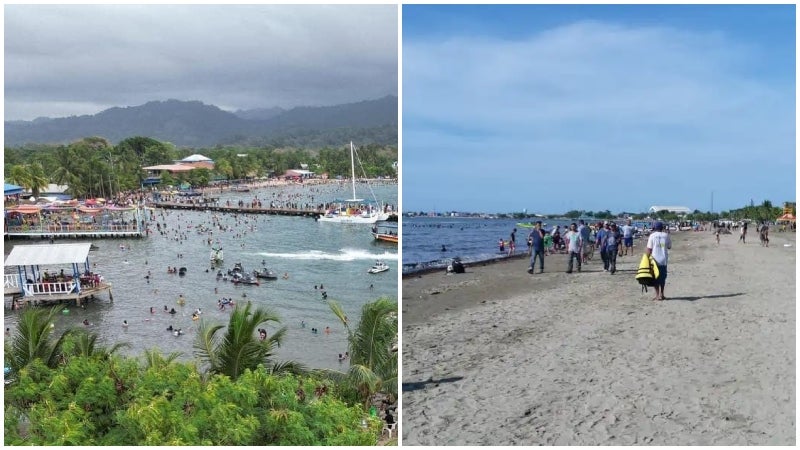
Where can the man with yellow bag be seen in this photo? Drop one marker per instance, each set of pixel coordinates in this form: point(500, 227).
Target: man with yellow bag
point(658, 245)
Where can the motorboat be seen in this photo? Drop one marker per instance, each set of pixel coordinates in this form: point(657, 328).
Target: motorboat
point(216, 255)
point(237, 269)
point(244, 278)
point(385, 233)
point(265, 273)
point(379, 267)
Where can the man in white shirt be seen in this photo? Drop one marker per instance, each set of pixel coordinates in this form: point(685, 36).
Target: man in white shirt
point(658, 245)
point(627, 237)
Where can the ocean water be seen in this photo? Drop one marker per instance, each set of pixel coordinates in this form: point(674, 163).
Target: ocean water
point(335, 256)
point(471, 239)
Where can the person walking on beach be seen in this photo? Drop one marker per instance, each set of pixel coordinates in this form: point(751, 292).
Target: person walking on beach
point(602, 234)
point(658, 246)
point(575, 246)
point(612, 242)
point(743, 234)
point(537, 244)
point(764, 234)
point(627, 237)
point(585, 233)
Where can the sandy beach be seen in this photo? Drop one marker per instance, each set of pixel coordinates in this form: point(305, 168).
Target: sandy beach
point(495, 356)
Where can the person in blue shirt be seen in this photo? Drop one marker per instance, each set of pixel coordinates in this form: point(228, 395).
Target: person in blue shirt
point(537, 247)
point(585, 233)
point(602, 232)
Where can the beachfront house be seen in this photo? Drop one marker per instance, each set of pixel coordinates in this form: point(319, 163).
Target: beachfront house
point(179, 166)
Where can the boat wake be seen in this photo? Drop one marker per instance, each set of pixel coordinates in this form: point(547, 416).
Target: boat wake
point(345, 254)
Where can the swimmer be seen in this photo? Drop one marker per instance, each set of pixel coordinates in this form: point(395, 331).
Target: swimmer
point(8, 331)
point(302, 324)
point(341, 358)
point(327, 330)
point(286, 275)
point(444, 249)
point(86, 322)
point(152, 310)
point(172, 311)
point(166, 309)
point(169, 328)
point(124, 324)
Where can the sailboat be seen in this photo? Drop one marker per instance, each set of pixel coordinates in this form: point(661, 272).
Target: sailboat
point(355, 210)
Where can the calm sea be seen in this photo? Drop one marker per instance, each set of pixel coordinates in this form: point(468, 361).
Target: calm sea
point(470, 239)
point(335, 256)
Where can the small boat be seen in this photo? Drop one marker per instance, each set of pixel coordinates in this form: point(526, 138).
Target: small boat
point(266, 273)
point(379, 267)
point(385, 232)
point(244, 278)
point(216, 255)
point(237, 269)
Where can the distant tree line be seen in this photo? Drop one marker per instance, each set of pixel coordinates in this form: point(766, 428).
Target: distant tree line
point(92, 166)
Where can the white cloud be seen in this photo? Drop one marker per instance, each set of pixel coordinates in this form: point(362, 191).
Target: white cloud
point(593, 93)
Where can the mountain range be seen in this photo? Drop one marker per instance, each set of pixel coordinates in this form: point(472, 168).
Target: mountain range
point(196, 124)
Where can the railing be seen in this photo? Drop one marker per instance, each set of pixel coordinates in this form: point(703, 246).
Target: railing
point(59, 287)
point(12, 281)
point(71, 228)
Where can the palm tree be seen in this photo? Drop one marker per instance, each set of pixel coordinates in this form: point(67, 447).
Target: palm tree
point(373, 360)
point(238, 348)
point(32, 339)
point(85, 344)
point(154, 359)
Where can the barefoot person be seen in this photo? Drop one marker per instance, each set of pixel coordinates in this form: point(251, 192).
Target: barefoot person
point(658, 245)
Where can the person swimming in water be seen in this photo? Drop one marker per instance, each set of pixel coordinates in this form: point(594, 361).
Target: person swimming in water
point(124, 324)
point(172, 311)
point(444, 249)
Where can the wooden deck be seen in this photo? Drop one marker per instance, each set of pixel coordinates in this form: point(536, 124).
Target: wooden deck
point(44, 299)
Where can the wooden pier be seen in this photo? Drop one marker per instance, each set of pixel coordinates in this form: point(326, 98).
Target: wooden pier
point(315, 213)
point(241, 210)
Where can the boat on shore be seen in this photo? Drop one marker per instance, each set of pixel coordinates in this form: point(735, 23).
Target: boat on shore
point(355, 210)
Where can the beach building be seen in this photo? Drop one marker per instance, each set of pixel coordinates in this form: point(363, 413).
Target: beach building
point(298, 174)
point(40, 280)
point(184, 165)
point(672, 209)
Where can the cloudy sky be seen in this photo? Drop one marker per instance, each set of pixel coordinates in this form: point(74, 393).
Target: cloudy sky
point(553, 108)
point(72, 60)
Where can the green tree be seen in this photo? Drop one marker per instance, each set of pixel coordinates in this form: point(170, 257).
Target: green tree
point(373, 364)
point(237, 348)
point(32, 339)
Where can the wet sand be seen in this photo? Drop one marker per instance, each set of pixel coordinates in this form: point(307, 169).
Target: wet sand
point(496, 356)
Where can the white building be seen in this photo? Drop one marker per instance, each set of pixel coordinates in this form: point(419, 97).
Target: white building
point(673, 209)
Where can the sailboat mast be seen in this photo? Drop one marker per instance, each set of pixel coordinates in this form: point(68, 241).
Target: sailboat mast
point(353, 169)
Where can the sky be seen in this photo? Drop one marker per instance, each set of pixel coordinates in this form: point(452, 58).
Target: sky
point(65, 60)
point(551, 108)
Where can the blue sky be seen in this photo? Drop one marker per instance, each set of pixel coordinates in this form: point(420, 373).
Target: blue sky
point(556, 107)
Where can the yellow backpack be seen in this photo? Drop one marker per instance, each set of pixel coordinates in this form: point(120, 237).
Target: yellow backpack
point(647, 273)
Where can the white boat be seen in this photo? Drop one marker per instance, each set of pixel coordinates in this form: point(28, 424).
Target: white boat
point(355, 210)
point(379, 267)
point(216, 255)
